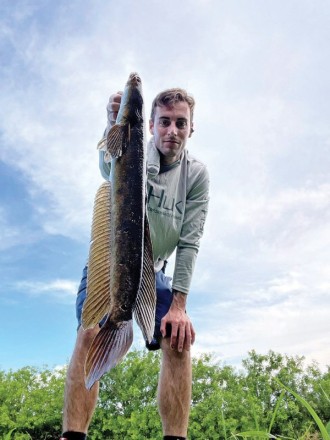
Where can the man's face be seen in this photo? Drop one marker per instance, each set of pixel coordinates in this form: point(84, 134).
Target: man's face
point(171, 128)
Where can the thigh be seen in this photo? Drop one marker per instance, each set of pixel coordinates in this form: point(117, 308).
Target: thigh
point(164, 301)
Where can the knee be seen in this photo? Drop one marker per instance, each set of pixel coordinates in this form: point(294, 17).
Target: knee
point(85, 338)
point(83, 343)
point(173, 355)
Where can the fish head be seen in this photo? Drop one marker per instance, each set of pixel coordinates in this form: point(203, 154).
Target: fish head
point(134, 79)
point(131, 106)
point(130, 120)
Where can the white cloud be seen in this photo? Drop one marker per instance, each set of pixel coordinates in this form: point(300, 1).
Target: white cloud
point(246, 236)
point(63, 291)
point(286, 315)
point(260, 78)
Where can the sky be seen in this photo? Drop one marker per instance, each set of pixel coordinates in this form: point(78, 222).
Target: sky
point(259, 71)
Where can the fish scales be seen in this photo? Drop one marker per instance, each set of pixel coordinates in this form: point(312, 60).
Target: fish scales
point(121, 279)
point(128, 217)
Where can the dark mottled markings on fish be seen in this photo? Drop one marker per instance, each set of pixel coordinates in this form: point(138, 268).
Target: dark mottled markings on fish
point(121, 279)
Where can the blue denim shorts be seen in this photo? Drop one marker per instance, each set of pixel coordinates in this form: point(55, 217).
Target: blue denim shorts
point(164, 300)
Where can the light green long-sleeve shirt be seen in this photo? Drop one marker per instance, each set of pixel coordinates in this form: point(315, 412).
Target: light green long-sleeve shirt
point(177, 208)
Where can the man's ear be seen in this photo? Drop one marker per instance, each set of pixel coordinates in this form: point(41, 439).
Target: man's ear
point(191, 129)
point(151, 126)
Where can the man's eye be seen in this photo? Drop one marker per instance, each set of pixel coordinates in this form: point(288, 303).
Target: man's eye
point(164, 122)
point(181, 124)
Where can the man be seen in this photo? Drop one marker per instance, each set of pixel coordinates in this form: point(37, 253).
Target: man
point(177, 205)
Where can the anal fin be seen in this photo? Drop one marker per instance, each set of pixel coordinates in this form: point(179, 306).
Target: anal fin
point(145, 305)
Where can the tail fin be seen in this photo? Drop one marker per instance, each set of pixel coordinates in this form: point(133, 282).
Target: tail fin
point(108, 347)
point(145, 305)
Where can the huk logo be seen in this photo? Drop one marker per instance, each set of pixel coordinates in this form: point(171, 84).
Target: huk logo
point(160, 200)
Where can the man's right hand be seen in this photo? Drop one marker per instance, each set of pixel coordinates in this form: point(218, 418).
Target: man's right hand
point(113, 108)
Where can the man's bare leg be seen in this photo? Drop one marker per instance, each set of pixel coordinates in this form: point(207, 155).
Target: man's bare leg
point(79, 403)
point(174, 390)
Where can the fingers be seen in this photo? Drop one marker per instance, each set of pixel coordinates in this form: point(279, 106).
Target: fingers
point(182, 336)
point(113, 107)
point(182, 331)
point(193, 334)
point(163, 327)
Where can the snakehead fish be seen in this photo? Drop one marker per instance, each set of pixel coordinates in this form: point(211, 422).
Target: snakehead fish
point(121, 279)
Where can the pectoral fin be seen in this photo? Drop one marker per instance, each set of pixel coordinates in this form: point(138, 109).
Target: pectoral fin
point(145, 305)
point(118, 139)
point(102, 145)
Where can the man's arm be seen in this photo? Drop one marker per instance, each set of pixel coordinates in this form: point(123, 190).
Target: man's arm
point(183, 334)
point(112, 112)
point(192, 228)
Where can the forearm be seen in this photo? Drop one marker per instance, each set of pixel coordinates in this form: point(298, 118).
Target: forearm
point(104, 167)
point(112, 110)
point(184, 268)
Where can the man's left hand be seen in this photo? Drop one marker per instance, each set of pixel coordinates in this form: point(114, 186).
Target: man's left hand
point(182, 331)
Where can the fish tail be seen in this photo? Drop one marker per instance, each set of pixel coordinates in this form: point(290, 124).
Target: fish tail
point(108, 348)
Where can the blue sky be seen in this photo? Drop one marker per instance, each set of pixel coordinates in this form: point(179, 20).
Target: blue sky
point(259, 72)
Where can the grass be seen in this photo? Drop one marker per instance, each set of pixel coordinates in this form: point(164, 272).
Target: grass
point(318, 421)
point(257, 434)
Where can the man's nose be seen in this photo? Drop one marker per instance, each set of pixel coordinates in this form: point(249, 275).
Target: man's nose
point(172, 129)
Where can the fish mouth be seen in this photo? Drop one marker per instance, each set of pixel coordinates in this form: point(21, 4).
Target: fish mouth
point(134, 78)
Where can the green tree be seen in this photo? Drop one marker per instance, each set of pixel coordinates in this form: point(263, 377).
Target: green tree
point(30, 401)
point(263, 391)
point(127, 403)
point(319, 394)
point(215, 400)
point(225, 401)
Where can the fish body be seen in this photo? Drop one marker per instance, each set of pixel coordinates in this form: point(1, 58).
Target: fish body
point(121, 279)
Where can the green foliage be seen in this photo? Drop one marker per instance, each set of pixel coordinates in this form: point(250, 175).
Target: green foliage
point(30, 402)
point(8, 436)
point(251, 403)
point(262, 375)
point(311, 411)
point(226, 403)
point(127, 403)
point(328, 428)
